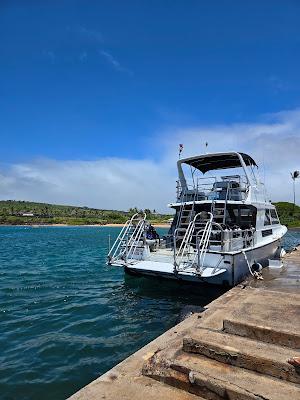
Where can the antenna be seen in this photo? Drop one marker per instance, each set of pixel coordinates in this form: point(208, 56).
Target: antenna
point(180, 150)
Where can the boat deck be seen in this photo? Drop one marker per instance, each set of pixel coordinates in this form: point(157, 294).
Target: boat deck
point(161, 263)
point(162, 255)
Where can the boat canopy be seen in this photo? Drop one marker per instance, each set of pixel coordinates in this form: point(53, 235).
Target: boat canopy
point(209, 162)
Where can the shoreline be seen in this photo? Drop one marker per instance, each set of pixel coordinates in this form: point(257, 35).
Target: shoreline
point(162, 225)
point(156, 225)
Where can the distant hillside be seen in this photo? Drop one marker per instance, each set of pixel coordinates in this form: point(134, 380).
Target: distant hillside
point(14, 212)
point(288, 214)
point(29, 213)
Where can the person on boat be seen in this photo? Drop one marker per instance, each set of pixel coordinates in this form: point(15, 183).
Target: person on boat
point(151, 233)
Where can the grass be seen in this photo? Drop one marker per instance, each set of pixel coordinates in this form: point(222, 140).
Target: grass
point(289, 214)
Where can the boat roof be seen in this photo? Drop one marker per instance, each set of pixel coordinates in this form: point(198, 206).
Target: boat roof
point(213, 161)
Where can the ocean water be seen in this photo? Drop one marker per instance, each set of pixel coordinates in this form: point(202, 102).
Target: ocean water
point(66, 317)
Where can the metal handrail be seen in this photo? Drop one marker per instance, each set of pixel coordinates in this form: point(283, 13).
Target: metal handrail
point(204, 241)
point(199, 186)
point(135, 238)
point(174, 247)
point(187, 239)
point(186, 236)
point(137, 227)
point(124, 231)
point(225, 202)
point(181, 208)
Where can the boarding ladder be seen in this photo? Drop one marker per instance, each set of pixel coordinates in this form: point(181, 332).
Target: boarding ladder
point(181, 256)
point(185, 215)
point(218, 209)
point(128, 240)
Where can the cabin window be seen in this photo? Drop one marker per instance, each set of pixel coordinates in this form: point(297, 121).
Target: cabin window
point(274, 217)
point(267, 220)
point(247, 217)
point(266, 232)
point(242, 216)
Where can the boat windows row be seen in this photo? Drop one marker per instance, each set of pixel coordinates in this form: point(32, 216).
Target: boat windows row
point(271, 217)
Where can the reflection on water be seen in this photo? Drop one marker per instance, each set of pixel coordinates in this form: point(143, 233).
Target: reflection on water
point(185, 293)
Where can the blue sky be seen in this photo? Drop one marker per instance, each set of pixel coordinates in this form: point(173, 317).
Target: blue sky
point(126, 80)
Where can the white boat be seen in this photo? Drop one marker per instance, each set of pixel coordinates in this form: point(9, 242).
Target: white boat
point(224, 227)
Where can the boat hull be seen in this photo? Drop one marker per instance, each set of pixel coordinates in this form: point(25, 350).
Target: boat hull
point(235, 269)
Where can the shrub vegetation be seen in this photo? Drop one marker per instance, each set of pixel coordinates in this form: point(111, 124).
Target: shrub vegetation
point(14, 212)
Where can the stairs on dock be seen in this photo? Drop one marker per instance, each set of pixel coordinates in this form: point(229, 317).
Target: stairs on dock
point(242, 361)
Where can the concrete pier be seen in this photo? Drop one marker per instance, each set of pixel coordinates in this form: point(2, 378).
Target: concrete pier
point(237, 349)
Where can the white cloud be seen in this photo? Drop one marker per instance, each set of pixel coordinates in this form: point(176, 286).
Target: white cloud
point(90, 34)
point(114, 62)
point(108, 183)
point(274, 142)
point(116, 183)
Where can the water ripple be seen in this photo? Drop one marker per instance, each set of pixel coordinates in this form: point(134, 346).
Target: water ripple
point(66, 317)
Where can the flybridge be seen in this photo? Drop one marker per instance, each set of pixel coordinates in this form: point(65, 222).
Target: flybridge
point(209, 162)
point(195, 184)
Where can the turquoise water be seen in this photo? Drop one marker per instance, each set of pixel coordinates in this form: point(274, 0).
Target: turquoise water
point(66, 317)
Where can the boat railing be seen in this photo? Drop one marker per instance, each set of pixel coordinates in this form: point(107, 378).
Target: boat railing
point(198, 189)
point(127, 236)
point(224, 239)
point(135, 239)
point(210, 236)
point(214, 188)
point(203, 241)
point(237, 239)
point(186, 245)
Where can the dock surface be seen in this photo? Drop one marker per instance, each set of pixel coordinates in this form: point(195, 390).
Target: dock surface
point(236, 349)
